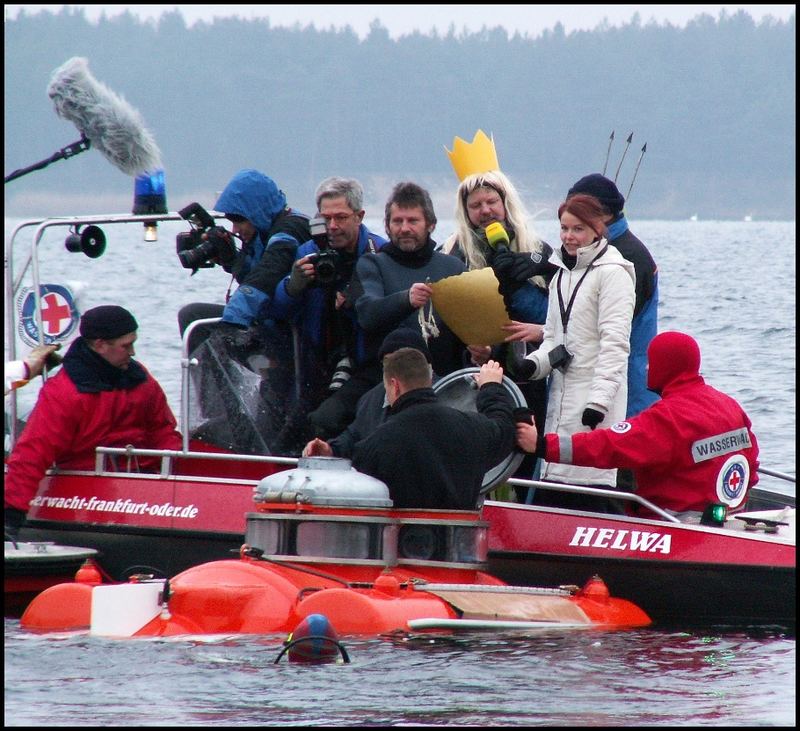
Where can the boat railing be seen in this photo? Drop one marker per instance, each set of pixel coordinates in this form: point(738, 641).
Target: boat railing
point(13, 280)
point(167, 457)
point(188, 362)
point(596, 491)
point(779, 475)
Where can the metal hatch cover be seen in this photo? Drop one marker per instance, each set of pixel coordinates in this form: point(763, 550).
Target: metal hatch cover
point(459, 391)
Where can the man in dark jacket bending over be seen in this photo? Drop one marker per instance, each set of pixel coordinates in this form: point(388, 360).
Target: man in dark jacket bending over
point(431, 455)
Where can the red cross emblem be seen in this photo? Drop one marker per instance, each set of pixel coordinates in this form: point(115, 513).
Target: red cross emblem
point(54, 310)
point(59, 314)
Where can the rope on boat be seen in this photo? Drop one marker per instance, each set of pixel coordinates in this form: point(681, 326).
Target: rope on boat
point(558, 591)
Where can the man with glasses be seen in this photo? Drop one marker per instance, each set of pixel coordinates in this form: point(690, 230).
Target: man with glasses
point(315, 297)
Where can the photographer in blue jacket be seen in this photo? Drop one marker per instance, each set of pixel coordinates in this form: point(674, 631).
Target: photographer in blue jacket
point(315, 298)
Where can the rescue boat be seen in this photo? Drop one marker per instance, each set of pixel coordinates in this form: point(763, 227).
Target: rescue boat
point(325, 539)
point(33, 566)
point(741, 570)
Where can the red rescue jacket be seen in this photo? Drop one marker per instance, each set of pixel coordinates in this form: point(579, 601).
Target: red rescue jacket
point(66, 425)
point(692, 448)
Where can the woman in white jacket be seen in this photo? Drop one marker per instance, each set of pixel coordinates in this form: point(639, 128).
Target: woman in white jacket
point(586, 339)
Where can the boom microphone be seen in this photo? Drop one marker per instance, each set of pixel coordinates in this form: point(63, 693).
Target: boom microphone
point(111, 124)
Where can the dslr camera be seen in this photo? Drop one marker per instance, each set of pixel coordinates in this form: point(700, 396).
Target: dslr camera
point(560, 358)
point(206, 240)
point(327, 263)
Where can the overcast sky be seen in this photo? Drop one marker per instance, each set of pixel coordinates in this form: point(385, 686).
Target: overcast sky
point(402, 19)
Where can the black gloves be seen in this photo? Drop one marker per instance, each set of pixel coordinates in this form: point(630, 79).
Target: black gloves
point(517, 267)
point(522, 414)
point(13, 520)
point(514, 269)
point(522, 369)
point(591, 418)
point(297, 281)
point(521, 266)
point(237, 341)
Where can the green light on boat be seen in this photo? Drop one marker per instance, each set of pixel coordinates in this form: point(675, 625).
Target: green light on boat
point(714, 514)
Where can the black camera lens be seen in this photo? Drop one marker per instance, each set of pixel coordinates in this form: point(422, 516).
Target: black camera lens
point(326, 269)
point(198, 256)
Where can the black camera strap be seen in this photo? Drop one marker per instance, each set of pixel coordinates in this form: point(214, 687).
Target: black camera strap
point(566, 312)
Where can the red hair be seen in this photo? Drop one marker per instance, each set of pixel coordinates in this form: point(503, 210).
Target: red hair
point(585, 208)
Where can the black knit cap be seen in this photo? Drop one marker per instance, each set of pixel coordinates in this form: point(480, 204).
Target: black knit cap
point(404, 337)
point(601, 188)
point(107, 322)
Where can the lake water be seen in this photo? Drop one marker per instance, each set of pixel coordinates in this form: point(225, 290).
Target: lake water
point(732, 285)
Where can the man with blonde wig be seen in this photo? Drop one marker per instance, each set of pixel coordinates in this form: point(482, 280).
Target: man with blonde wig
point(486, 196)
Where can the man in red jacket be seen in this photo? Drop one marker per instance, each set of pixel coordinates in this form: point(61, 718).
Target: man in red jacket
point(100, 397)
point(691, 449)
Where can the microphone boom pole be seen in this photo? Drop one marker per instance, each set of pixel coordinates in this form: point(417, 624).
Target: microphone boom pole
point(105, 120)
point(65, 152)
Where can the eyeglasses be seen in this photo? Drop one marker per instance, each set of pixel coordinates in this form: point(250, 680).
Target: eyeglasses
point(338, 218)
point(235, 218)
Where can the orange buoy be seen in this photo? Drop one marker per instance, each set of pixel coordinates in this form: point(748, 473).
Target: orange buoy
point(88, 573)
point(64, 607)
point(595, 588)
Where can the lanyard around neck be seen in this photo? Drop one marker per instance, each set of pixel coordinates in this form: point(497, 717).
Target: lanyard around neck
point(566, 312)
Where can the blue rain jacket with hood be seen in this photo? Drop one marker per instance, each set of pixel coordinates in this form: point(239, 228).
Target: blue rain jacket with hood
point(268, 257)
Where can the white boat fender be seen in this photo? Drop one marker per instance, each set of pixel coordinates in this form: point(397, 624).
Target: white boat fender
point(120, 610)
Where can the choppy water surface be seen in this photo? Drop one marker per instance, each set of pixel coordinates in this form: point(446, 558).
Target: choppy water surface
point(584, 678)
point(731, 285)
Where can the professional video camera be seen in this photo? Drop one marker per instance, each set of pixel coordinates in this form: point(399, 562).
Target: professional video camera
point(206, 241)
point(327, 263)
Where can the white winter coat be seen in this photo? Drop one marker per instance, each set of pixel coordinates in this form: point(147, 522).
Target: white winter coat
point(598, 336)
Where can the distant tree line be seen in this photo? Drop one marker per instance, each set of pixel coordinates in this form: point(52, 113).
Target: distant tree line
point(715, 101)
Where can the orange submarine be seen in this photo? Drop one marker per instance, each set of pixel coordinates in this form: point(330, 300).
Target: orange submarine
point(325, 539)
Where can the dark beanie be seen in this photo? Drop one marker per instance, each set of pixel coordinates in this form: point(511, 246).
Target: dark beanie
point(601, 188)
point(107, 322)
point(404, 337)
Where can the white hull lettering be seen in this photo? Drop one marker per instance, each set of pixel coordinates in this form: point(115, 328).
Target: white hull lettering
point(119, 506)
point(621, 540)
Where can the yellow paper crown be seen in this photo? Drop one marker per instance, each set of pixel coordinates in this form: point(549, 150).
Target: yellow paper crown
point(478, 156)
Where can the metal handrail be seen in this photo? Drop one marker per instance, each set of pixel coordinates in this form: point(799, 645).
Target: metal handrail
point(186, 363)
point(167, 455)
point(775, 473)
point(596, 491)
point(12, 286)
